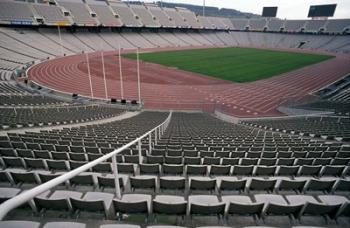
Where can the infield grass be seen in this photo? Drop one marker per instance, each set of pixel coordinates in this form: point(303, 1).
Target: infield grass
point(233, 64)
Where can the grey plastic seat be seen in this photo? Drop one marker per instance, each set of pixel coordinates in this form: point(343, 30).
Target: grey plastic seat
point(206, 205)
point(83, 179)
point(109, 182)
point(342, 186)
point(218, 170)
point(45, 177)
point(27, 177)
point(170, 205)
point(64, 225)
point(5, 179)
point(93, 201)
point(287, 170)
point(265, 170)
point(19, 224)
point(78, 156)
point(143, 182)
point(309, 170)
point(232, 184)
point(277, 205)
point(312, 206)
point(132, 204)
point(196, 170)
point(192, 160)
point(8, 193)
point(14, 162)
point(211, 161)
point(44, 154)
point(104, 167)
point(151, 159)
point(25, 153)
point(172, 169)
point(57, 165)
point(325, 185)
point(57, 201)
point(333, 170)
point(242, 205)
point(119, 226)
point(202, 183)
point(60, 155)
point(173, 159)
point(126, 168)
point(262, 184)
point(230, 161)
point(289, 184)
point(149, 169)
point(244, 170)
point(172, 182)
point(33, 163)
point(337, 200)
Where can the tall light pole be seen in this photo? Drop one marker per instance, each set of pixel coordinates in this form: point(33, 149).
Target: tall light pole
point(121, 73)
point(60, 37)
point(203, 8)
point(89, 75)
point(138, 75)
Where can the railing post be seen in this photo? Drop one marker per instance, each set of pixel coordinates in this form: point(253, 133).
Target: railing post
point(116, 177)
point(140, 151)
point(150, 143)
point(155, 136)
point(159, 135)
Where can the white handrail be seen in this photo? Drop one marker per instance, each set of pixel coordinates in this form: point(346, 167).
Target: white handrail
point(16, 201)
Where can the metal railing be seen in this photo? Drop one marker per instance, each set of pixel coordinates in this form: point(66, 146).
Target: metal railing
point(22, 198)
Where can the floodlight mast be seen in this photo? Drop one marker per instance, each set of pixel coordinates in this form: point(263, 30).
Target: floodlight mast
point(203, 8)
point(120, 72)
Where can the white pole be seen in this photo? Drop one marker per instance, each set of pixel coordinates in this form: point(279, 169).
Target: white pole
point(121, 74)
point(203, 8)
point(116, 177)
point(60, 37)
point(89, 74)
point(104, 74)
point(138, 75)
point(140, 151)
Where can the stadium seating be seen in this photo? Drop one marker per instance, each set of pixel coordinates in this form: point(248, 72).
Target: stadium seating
point(202, 172)
point(79, 12)
point(294, 25)
point(275, 25)
point(29, 117)
point(52, 14)
point(338, 26)
point(315, 126)
point(176, 17)
point(248, 171)
point(257, 24)
point(104, 13)
point(189, 17)
point(164, 19)
point(146, 17)
point(125, 14)
point(16, 12)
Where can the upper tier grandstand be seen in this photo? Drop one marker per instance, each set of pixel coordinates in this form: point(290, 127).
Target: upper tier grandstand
point(246, 125)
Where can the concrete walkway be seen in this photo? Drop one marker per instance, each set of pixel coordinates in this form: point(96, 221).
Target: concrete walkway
point(122, 116)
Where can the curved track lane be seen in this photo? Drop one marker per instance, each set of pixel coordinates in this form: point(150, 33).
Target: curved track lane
point(169, 88)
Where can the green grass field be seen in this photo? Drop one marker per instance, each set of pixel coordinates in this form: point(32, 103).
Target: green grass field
point(233, 64)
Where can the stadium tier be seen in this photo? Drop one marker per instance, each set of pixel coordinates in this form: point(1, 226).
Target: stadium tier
point(119, 14)
point(124, 114)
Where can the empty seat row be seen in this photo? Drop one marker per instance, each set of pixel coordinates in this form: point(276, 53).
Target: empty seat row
point(258, 204)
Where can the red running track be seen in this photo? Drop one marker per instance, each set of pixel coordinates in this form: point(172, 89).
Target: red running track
point(169, 88)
